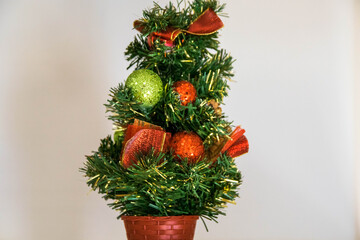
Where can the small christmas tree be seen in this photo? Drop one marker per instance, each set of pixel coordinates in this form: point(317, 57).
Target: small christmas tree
point(173, 149)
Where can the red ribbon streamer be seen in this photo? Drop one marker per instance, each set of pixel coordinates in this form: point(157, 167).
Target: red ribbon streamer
point(207, 23)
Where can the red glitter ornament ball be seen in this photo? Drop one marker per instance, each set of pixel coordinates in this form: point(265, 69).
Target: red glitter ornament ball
point(187, 145)
point(186, 91)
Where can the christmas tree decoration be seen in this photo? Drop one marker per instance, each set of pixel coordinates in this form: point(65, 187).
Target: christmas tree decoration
point(146, 87)
point(213, 152)
point(143, 142)
point(138, 125)
point(234, 146)
point(143, 137)
point(215, 105)
point(186, 91)
point(240, 147)
point(172, 157)
point(234, 136)
point(187, 145)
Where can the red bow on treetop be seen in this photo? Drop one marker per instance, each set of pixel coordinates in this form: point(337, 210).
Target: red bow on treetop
point(207, 23)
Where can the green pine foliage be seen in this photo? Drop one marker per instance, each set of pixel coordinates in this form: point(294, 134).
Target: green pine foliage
point(159, 185)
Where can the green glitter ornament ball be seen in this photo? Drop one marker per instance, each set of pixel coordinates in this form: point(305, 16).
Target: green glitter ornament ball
point(146, 87)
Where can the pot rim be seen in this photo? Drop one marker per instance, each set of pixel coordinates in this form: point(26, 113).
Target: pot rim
point(132, 218)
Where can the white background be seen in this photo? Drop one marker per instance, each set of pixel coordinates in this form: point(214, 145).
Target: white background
point(295, 94)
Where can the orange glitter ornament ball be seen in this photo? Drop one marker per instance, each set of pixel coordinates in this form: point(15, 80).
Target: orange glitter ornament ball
point(187, 145)
point(186, 91)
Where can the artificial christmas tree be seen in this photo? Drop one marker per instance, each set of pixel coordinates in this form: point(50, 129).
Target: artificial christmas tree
point(171, 159)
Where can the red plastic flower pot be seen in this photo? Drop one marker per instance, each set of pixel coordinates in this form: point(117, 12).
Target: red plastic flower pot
point(160, 228)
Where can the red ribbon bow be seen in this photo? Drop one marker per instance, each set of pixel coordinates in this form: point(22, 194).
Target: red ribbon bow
point(143, 137)
point(207, 23)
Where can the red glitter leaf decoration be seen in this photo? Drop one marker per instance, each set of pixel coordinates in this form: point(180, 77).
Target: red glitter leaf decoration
point(235, 135)
point(240, 147)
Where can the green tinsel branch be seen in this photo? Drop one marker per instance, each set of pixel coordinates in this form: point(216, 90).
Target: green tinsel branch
point(159, 185)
